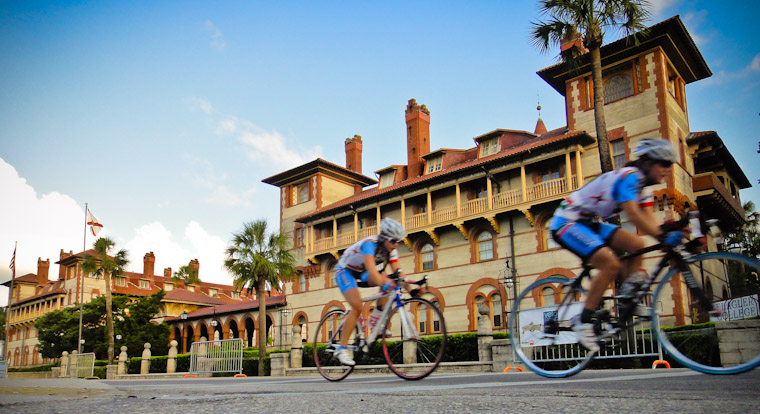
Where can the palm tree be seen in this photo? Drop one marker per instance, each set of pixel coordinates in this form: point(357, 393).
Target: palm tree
point(254, 258)
point(102, 264)
point(588, 19)
point(188, 274)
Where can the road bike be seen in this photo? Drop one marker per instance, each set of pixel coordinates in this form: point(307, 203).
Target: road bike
point(408, 353)
point(542, 337)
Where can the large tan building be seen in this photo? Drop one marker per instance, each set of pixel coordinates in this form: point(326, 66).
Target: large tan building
point(34, 295)
point(474, 216)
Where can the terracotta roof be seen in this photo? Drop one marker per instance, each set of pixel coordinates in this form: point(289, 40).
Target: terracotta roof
point(322, 166)
point(723, 156)
point(52, 288)
point(670, 34)
point(27, 278)
point(233, 307)
point(182, 295)
point(552, 137)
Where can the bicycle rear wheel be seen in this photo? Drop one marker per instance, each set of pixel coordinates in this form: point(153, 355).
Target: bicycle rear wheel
point(730, 344)
point(413, 351)
point(326, 340)
point(539, 328)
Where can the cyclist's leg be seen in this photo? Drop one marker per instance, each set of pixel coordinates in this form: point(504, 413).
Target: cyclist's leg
point(375, 280)
point(623, 240)
point(349, 288)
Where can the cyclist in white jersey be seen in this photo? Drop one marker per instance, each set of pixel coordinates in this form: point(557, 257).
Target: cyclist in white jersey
point(576, 228)
point(363, 265)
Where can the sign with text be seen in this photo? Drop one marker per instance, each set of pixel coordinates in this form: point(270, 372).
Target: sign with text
point(744, 307)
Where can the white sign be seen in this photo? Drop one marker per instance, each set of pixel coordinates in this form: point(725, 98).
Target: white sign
point(532, 326)
point(740, 308)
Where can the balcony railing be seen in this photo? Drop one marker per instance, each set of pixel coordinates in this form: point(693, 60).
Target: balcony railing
point(505, 200)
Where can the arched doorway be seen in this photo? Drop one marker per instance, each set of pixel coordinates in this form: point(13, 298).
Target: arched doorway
point(189, 337)
point(234, 329)
point(250, 329)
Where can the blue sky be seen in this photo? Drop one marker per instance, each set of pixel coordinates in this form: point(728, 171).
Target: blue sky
point(166, 116)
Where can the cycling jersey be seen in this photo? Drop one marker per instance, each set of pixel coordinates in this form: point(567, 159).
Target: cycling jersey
point(351, 264)
point(602, 197)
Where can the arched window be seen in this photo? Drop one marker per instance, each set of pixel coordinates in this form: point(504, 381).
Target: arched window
point(476, 304)
point(548, 296)
point(485, 246)
point(496, 310)
point(304, 326)
point(427, 256)
point(436, 321)
point(618, 86)
point(550, 243)
point(301, 282)
point(422, 318)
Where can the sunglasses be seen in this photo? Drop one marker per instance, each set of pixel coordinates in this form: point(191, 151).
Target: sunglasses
point(394, 241)
point(665, 164)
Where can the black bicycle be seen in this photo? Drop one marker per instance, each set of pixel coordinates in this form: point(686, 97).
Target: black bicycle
point(543, 339)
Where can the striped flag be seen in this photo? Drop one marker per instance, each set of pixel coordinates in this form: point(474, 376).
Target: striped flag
point(13, 261)
point(94, 224)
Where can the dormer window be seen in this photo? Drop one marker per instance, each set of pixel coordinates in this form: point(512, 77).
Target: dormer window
point(386, 179)
point(120, 281)
point(144, 284)
point(489, 147)
point(434, 164)
point(235, 295)
point(212, 293)
point(168, 286)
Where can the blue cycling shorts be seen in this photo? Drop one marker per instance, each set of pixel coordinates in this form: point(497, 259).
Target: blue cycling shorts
point(348, 279)
point(581, 237)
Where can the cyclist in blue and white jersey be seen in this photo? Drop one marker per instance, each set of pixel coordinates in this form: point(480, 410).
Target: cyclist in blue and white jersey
point(363, 264)
point(576, 228)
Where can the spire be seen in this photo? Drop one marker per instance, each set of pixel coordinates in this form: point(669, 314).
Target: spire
point(540, 127)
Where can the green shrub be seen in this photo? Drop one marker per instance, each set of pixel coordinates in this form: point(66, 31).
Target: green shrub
point(38, 368)
point(99, 371)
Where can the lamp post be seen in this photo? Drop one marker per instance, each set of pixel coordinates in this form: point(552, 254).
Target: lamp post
point(183, 340)
point(285, 312)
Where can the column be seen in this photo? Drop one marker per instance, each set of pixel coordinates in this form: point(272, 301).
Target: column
point(568, 172)
point(522, 182)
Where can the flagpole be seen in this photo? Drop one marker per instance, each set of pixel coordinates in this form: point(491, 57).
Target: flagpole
point(81, 285)
point(8, 308)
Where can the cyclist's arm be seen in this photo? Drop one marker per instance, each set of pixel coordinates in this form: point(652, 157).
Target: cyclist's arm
point(643, 218)
point(375, 278)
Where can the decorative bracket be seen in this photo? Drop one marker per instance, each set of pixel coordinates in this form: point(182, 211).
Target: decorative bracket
point(529, 216)
point(408, 243)
point(494, 223)
point(335, 255)
point(462, 229)
point(434, 236)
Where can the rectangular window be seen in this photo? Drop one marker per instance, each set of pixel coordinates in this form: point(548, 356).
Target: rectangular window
point(212, 293)
point(168, 287)
point(618, 153)
point(235, 295)
point(386, 180)
point(144, 284)
point(637, 69)
point(120, 281)
point(434, 164)
point(489, 147)
point(299, 237)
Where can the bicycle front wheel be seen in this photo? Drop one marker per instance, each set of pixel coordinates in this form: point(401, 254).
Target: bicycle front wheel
point(326, 341)
point(417, 338)
point(724, 344)
point(539, 328)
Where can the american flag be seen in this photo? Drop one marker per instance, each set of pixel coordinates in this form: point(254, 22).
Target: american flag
point(13, 261)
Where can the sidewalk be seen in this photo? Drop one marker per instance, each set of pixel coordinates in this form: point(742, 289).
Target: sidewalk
point(22, 390)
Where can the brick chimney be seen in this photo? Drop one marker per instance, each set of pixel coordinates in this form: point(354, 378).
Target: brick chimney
point(149, 263)
point(196, 265)
point(43, 267)
point(417, 137)
point(61, 268)
point(354, 154)
point(168, 272)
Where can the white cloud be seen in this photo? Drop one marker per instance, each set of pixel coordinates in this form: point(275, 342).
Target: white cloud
point(660, 8)
point(217, 39)
point(748, 72)
point(754, 66)
point(42, 225)
point(202, 104)
point(694, 21)
point(207, 248)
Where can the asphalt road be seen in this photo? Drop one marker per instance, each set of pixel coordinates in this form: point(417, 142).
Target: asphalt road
point(665, 391)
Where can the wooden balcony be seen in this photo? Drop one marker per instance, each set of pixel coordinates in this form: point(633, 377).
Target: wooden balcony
point(715, 199)
point(479, 207)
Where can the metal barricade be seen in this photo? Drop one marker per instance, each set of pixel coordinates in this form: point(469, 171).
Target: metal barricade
point(81, 365)
point(225, 355)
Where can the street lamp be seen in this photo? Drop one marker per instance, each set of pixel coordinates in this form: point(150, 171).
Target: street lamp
point(285, 312)
point(118, 337)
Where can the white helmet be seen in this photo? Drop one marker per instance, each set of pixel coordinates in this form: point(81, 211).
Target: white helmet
point(655, 149)
point(392, 229)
